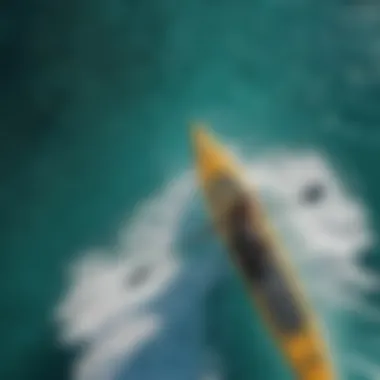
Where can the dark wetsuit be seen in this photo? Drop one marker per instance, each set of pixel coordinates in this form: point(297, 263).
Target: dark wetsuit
point(260, 270)
point(249, 247)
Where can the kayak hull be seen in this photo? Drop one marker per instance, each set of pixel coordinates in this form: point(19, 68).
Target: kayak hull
point(277, 295)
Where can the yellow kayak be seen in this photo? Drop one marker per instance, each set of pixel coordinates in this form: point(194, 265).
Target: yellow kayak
point(239, 219)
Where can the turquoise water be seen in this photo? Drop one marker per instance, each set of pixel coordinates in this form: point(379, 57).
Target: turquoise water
point(96, 101)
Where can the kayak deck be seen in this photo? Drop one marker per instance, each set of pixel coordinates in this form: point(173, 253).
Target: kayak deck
point(239, 219)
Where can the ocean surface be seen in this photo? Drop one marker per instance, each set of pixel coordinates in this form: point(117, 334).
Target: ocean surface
point(96, 182)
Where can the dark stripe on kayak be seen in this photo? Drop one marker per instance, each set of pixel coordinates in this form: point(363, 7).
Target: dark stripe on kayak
point(255, 259)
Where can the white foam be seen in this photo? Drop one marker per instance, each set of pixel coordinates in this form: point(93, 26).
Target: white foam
point(101, 290)
point(330, 233)
point(105, 358)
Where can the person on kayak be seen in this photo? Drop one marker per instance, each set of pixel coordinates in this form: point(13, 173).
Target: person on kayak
point(247, 243)
point(255, 261)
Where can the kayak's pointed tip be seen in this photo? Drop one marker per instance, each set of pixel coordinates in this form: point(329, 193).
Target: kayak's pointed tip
point(198, 132)
point(200, 138)
point(210, 156)
point(202, 141)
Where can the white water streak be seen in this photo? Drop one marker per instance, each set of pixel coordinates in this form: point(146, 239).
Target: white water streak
point(325, 237)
